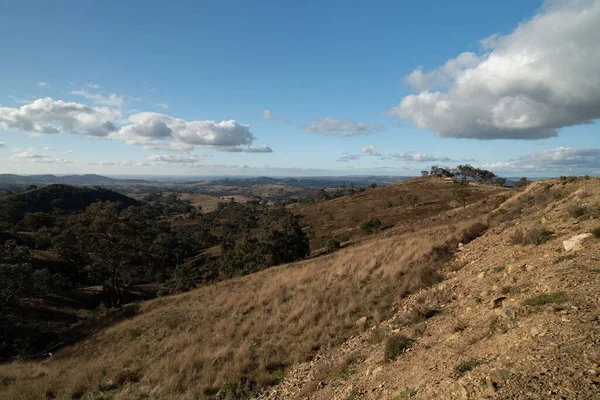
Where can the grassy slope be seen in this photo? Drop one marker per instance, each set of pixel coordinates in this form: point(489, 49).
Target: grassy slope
point(549, 348)
point(239, 335)
point(392, 204)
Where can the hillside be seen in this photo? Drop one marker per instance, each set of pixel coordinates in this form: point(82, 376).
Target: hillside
point(319, 328)
point(56, 197)
point(403, 205)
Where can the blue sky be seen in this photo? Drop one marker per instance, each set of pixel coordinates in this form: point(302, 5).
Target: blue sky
point(299, 88)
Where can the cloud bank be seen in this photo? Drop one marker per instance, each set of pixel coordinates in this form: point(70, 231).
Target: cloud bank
point(150, 129)
point(530, 83)
point(561, 159)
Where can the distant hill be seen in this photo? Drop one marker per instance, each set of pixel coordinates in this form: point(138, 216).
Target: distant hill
point(9, 180)
point(51, 198)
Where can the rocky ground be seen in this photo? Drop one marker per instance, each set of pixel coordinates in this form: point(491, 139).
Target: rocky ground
point(510, 321)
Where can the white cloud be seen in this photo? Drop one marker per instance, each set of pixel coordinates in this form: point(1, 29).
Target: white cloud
point(164, 106)
point(182, 147)
point(93, 86)
point(176, 158)
point(152, 130)
point(560, 159)
point(48, 148)
point(419, 157)
point(125, 163)
point(249, 149)
point(2, 145)
point(443, 76)
point(69, 151)
point(42, 84)
point(29, 154)
point(347, 127)
point(370, 150)
point(268, 115)
point(259, 149)
point(112, 100)
point(148, 125)
point(348, 158)
point(47, 116)
point(541, 77)
point(57, 161)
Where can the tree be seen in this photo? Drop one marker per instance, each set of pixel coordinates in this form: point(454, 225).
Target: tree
point(522, 182)
point(370, 226)
point(116, 245)
point(424, 173)
point(18, 279)
point(499, 181)
point(462, 192)
point(277, 239)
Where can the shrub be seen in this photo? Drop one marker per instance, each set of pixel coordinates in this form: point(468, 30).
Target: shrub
point(545, 298)
point(395, 345)
point(576, 211)
point(466, 366)
point(517, 236)
point(473, 232)
point(332, 245)
point(371, 225)
point(596, 232)
point(535, 235)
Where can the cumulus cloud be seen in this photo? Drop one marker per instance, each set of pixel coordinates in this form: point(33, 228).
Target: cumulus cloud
point(149, 129)
point(418, 157)
point(112, 100)
point(541, 77)
point(93, 86)
point(559, 159)
point(197, 133)
point(370, 150)
point(346, 127)
point(47, 116)
point(42, 84)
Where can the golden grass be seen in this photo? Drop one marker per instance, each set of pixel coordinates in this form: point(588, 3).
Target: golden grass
point(237, 336)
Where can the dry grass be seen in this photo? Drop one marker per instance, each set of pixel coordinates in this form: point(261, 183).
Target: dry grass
point(394, 205)
point(236, 336)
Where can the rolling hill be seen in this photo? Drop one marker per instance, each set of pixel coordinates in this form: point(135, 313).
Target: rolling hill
point(52, 198)
point(480, 301)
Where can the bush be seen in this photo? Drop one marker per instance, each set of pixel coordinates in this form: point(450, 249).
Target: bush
point(332, 245)
point(535, 235)
point(577, 211)
point(395, 345)
point(473, 232)
point(466, 366)
point(596, 232)
point(370, 226)
point(545, 298)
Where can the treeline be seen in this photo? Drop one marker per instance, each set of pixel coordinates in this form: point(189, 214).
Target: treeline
point(467, 172)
